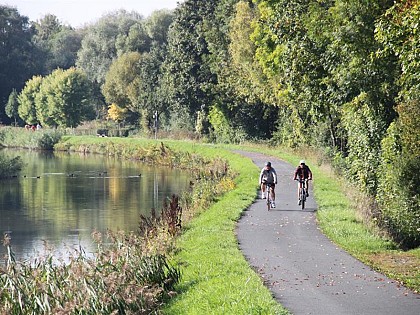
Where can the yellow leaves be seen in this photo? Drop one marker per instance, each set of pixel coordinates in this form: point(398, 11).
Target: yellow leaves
point(116, 113)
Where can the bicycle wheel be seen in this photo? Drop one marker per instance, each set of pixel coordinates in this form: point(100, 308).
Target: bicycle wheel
point(302, 197)
point(268, 198)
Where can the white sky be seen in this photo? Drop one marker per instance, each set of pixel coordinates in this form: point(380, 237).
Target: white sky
point(80, 12)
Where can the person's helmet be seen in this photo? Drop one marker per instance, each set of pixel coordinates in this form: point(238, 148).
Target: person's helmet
point(268, 164)
point(302, 162)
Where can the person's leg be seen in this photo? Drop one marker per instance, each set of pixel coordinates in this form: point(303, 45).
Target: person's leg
point(307, 188)
point(298, 188)
point(298, 191)
point(263, 191)
point(273, 192)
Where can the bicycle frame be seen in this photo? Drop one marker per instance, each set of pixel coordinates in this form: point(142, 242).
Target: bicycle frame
point(268, 189)
point(302, 192)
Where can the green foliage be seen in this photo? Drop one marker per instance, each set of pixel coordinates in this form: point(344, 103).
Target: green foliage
point(365, 131)
point(59, 43)
point(10, 166)
point(106, 40)
point(189, 79)
point(399, 181)
point(27, 104)
point(64, 98)
point(19, 57)
point(12, 106)
point(122, 81)
point(44, 139)
point(398, 31)
point(222, 130)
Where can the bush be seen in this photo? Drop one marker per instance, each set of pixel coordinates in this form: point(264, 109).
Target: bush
point(43, 139)
point(399, 190)
point(10, 166)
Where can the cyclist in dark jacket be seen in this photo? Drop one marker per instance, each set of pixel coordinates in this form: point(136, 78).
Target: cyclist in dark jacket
point(303, 172)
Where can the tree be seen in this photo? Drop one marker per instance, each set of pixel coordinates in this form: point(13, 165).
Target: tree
point(59, 43)
point(399, 184)
point(122, 81)
point(157, 26)
point(117, 113)
point(189, 81)
point(68, 98)
point(12, 106)
point(105, 40)
point(27, 106)
point(18, 61)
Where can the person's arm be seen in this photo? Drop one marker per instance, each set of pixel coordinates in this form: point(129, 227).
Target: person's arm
point(261, 176)
point(274, 176)
point(296, 172)
point(309, 174)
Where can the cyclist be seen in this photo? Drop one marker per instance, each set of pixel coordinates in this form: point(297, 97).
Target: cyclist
point(268, 175)
point(303, 172)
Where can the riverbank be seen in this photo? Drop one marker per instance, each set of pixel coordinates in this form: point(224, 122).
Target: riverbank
point(215, 275)
point(337, 217)
point(216, 279)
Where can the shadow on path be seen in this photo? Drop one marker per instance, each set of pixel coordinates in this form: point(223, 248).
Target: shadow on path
point(305, 271)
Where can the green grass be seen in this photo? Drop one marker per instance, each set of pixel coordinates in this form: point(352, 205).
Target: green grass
point(216, 277)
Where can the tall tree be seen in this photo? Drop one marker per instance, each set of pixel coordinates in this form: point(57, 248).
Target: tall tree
point(12, 106)
point(58, 42)
point(105, 40)
point(68, 98)
point(18, 60)
point(189, 79)
point(27, 106)
point(399, 184)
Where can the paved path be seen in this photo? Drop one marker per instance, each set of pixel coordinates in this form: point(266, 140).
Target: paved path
point(305, 271)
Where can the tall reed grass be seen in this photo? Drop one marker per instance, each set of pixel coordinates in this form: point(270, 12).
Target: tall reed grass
point(122, 278)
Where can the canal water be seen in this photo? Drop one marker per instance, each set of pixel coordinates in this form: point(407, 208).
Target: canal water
point(59, 199)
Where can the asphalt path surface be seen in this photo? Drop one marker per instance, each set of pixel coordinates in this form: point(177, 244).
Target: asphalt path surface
point(304, 270)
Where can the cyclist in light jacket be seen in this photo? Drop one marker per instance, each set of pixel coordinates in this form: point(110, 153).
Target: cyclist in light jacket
point(268, 175)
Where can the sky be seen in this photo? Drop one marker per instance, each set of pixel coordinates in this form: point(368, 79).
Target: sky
point(80, 12)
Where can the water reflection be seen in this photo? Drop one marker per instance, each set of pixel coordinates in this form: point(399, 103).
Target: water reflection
point(60, 198)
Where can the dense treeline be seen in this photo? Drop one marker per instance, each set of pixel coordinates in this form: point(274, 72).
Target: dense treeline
point(338, 75)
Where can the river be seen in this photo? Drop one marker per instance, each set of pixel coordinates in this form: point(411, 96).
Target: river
point(59, 199)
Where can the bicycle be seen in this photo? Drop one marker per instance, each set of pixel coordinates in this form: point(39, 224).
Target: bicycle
point(269, 199)
point(302, 192)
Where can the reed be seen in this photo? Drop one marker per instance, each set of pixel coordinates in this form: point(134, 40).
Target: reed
point(122, 278)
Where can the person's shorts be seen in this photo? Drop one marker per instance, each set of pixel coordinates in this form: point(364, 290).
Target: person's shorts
point(272, 185)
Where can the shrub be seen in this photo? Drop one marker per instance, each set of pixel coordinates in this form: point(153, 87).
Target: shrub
point(10, 166)
point(43, 139)
point(399, 184)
